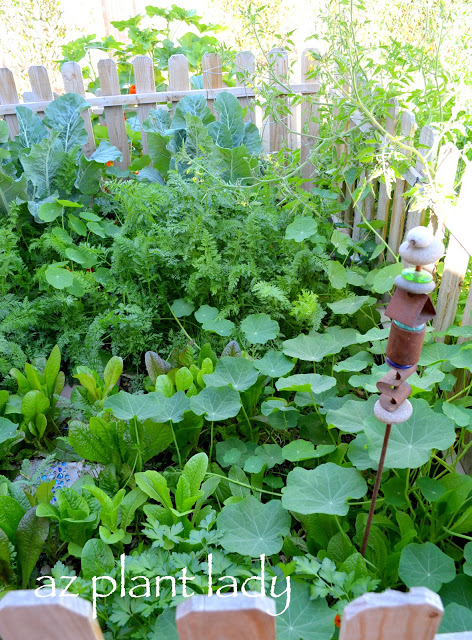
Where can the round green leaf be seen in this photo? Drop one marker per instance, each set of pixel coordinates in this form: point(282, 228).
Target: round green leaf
point(220, 326)
point(456, 619)
point(336, 274)
point(182, 308)
point(206, 314)
point(126, 406)
point(384, 278)
point(252, 528)
point(303, 450)
point(271, 453)
point(301, 229)
point(425, 565)
point(355, 363)
point(59, 278)
point(259, 328)
point(306, 382)
point(82, 257)
point(313, 347)
point(351, 416)
point(172, 408)
point(322, 490)
point(216, 403)
point(431, 489)
point(49, 211)
point(461, 416)
point(350, 305)
point(238, 372)
point(274, 364)
point(298, 621)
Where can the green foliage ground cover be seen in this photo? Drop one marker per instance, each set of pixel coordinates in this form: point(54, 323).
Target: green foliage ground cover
point(224, 336)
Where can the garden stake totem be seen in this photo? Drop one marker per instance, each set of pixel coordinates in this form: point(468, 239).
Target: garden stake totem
point(409, 309)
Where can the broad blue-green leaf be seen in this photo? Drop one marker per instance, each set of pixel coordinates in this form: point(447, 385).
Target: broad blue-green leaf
point(30, 126)
point(231, 115)
point(58, 277)
point(336, 274)
point(425, 565)
point(456, 619)
point(159, 153)
point(4, 135)
point(463, 360)
point(384, 279)
point(198, 141)
point(252, 528)
point(313, 382)
point(322, 490)
point(352, 415)
point(239, 373)
point(358, 453)
point(313, 347)
point(43, 162)
point(216, 403)
point(220, 134)
point(10, 189)
point(411, 442)
point(88, 176)
point(63, 115)
point(195, 105)
point(259, 328)
point(166, 409)
point(303, 450)
point(373, 335)
point(297, 622)
point(468, 559)
point(274, 364)
point(252, 139)
point(105, 152)
point(126, 406)
point(438, 352)
point(182, 308)
point(357, 363)
point(235, 164)
point(301, 229)
point(157, 120)
point(350, 305)
point(271, 453)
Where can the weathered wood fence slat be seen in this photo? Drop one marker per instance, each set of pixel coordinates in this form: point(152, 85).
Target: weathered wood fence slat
point(450, 222)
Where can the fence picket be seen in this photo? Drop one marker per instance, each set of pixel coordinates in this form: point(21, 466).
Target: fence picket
point(9, 95)
point(24, 615)
point(457, 256)
point(308, 115)
point(397, 217)
point(114, 116)
point(40, 85)
point(145, 83)
point(74, 83)
point(383, 200)
point(278, 134)
point(392, 615)
point(179, 78)
point(446, 169)
point(212, 74)
point(245, 65)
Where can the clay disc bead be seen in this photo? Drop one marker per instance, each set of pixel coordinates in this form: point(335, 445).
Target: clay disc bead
point(414, 287)
point(401, 414)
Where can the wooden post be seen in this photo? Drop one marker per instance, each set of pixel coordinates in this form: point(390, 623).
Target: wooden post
point(245, 66)
point(74, 83)
point(392, 615)
point(445, 178)
point(383, 200)
point(9, 95)
point(145, 83)
point(278, 134)
point(212, 74)
point(428, 147)
point(457, 256)
point(24, 616)
point(40, 85)
point(309, 112)
point(114, 116)
point(226, 618)
point(398, 205)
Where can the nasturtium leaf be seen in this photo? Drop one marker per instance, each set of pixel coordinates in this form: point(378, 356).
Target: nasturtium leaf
point(456, 619)
point(411, 442)
point(259, 328)
point(438, 352)
point(322, 490)
point(358, 453)
point(89, 215)
point(274, 364)
point(313, 382)
point(461, 416)
point(430, 377)
point(77, 225)
point(126, 406)
point(352, 415)
point(271, 453)
point(464, 331)
point(254, 464)
point(431, 489)
point(425, 565)
point(58, 277)
point(297, 620)
point(336, 274)
point(224, 448)
point(216, 403)
point(373, 335)
point(206, 314)
point(275, 404)
point(166, 409)
point(356, 363)
point(368, 381)
point(458, 590)
point(303, 450)
point(182, 308)
point(463, 360)
point(239, 373)
point(468, 559)
point(344, 337)
point(301, 229)
point(220, 326)
point(49, 211)
point(384, 278)
point(283, 419)
point(252, 528)
point(313, 347)
point(85, 258)
point(350, 305)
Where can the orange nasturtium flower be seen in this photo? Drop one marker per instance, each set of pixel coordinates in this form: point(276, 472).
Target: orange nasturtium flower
point(132, 89)
point(110, 163)
point(337, 620)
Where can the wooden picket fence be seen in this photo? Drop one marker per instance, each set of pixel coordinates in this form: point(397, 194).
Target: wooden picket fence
point(391, 615)
point(452, 222)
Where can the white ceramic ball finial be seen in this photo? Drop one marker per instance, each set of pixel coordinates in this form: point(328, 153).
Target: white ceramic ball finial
point(421, 247)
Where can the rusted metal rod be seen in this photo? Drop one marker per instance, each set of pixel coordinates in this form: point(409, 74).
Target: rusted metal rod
point(378, 478)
